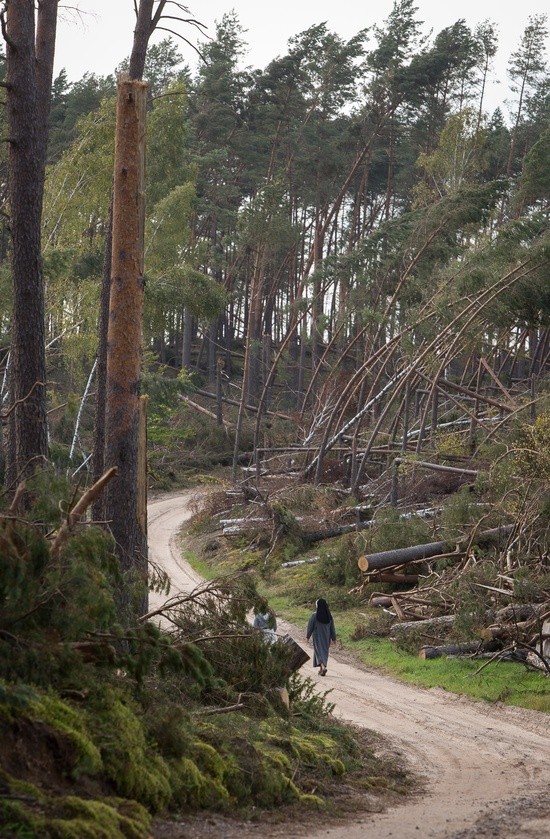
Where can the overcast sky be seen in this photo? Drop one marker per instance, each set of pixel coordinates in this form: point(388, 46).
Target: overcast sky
point(100, 36)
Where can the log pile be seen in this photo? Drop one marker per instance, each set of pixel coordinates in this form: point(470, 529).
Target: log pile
point(425, 614)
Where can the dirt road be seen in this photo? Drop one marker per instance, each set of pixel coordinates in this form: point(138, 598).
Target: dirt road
point(487, 768)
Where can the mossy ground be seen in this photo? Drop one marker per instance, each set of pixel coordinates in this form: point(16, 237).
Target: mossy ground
point(108, 725)
point(105, 779)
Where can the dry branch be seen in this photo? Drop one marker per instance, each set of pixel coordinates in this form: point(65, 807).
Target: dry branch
point(252, 408)
point(202, 410)
point(438, 467)
point(79, 509)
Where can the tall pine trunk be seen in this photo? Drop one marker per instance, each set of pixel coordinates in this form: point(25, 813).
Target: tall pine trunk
point(29, 68)
point(124, 339)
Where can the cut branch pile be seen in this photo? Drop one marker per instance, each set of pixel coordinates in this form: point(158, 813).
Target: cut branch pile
point(426, 614)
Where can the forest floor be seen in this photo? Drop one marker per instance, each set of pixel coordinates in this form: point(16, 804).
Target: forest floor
point(484, 770)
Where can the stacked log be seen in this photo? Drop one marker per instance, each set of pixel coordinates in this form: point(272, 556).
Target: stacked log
point(404, 556)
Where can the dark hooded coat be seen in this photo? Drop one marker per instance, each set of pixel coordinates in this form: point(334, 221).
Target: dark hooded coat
point(321, 630)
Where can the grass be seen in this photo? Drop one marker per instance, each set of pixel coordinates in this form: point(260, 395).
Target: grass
point(505, 682)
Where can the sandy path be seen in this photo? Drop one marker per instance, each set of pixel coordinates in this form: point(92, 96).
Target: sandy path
point(487, 768)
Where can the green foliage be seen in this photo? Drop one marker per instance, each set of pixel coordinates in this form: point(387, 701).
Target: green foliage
point(531, 452)
point(462, 510)
point(110, 819)
point(70, 817)
point(131, 764)
point(337, 563)
point(468, 591)
point(391, 531)
point(530, 586)
point(307, 701)
point(163, 421)
point(79, 210)
point(51, 601)
point(106, 706)
point(458, 159)
point(67, 721)
point(534, 185)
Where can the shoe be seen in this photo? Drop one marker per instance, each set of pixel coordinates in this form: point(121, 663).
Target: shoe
point(323, 671)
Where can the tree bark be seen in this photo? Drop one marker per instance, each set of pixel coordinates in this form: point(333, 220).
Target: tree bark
point(98, 458)
point(28, 79)
point(402, 556)
point(466, 649)
point(441, 622)
point(125, 328)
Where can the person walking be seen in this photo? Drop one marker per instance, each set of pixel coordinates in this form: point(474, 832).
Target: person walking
point(264, 619)
point(322, 631)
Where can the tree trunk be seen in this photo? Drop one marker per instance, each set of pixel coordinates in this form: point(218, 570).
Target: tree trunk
point(28, 86)
point(187, 338)
point(145, 24)
point(125, 328)
point(443, 622)
point(402, 556)
point(98, 459)
point(466, 649)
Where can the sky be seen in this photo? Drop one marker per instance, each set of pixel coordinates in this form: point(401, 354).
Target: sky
point(95, 35)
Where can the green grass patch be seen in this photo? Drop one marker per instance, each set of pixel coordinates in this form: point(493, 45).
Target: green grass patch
point(505, 682)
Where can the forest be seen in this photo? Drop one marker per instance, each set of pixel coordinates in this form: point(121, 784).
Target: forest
point(334, 320)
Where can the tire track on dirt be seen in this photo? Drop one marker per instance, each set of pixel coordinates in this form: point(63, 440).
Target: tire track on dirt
point(485, 768)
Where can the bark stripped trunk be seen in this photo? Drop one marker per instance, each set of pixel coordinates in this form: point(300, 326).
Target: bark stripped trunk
point(135, 539)
point(125, 329)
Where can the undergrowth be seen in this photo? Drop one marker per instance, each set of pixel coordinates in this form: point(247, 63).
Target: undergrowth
point(104, 724)
point(332, 573)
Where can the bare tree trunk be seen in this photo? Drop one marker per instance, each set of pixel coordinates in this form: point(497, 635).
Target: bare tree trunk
point(212, 350)
point(125, 328)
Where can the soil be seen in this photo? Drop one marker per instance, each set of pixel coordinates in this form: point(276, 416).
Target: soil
point(484, 769)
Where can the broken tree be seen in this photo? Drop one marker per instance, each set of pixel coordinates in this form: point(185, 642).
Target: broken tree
point(402, 556)
point(125, 437)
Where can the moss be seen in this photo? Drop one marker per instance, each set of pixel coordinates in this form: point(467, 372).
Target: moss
point(192, 788)
point(374, 782)
point(17, 821)
point(15, 698)
point(135, 769)
point(110, 819)
point(22, 788)
point(317, 751)
point(64, 719)
point(280, 761)
point(70, 817)
point(312, 800)
point(208, 759)
point(278, 788)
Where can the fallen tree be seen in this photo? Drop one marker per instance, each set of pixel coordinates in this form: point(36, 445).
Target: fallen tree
point(402, 556)
point(405, 627)
point(459, 650)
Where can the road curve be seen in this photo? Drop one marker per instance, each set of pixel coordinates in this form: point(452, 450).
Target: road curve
point(486, 768)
